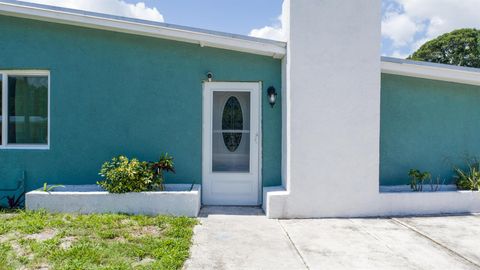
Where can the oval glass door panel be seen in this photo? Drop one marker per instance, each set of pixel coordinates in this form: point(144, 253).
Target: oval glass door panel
point(232, 119)
point(231, 132)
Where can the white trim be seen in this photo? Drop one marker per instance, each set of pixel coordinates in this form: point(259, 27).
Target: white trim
point(433, 72)
point(43, 13)
point(4, 110)
point(232, 131)
point(4, 145)
point(25, 147)
point(260, 143)
point(25, 72)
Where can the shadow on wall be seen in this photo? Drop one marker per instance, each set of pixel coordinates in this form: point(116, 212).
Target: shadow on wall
point(12, 189)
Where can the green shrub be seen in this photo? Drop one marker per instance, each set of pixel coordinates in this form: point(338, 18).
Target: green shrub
point(122, 175)
point(468, 179)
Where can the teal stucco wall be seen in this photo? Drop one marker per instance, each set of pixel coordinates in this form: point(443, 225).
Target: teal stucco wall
point(426, 124)
point(114, 93)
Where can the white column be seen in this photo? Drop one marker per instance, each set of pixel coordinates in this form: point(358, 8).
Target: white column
point(332, 117)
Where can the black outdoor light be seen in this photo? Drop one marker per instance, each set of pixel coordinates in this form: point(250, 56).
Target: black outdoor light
point(272, 95)
point(209, 76)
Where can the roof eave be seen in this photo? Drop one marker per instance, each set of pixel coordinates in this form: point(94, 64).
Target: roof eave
point(440, 72)
point(276, 50)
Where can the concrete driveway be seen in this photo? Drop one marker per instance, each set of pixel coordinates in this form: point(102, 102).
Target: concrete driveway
point(243, 238)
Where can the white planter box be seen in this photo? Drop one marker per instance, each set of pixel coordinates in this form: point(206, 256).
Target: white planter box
point(400, 200)
point(383, 201)
point(177, 200)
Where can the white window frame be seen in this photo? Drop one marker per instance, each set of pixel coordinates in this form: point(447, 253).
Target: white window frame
point(4, 126)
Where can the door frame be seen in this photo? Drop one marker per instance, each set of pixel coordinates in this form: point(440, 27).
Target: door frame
point(207, 136)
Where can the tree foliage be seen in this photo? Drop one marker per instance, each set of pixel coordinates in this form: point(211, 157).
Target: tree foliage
point(460, 47)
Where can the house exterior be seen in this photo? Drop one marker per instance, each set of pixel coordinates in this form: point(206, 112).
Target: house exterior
point(79, 88)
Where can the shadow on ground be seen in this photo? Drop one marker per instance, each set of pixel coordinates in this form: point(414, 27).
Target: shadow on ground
point(231, 211)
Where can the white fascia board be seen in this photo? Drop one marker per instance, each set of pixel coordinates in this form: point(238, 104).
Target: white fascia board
point(433, 72)
point(276, 50)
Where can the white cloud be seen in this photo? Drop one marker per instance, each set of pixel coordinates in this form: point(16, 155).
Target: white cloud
point(277, 31)
point(400, 28)
point(270, 32)
point(418, 43)
point(417, 21)
point(114, 7)
point(398, 54)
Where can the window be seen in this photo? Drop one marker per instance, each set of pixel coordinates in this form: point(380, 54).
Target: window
point(24, 109)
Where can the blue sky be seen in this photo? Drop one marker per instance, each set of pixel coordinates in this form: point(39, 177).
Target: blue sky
point(406, 24)
point(234, 16)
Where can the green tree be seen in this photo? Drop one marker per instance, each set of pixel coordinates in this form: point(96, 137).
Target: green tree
point(460, 47)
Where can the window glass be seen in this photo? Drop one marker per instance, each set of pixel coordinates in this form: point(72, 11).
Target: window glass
point(27, 109)
point(231, 132)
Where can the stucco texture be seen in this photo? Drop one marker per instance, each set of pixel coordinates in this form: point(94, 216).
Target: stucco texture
point(426, 124)
point(114, 93)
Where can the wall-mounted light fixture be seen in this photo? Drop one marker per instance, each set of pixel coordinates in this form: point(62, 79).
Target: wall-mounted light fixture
point(272, 95)
point(209, 76)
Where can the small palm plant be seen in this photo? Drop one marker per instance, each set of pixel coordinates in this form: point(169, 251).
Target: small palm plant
point(164, 164)
point(48, 188)
point(417, 179)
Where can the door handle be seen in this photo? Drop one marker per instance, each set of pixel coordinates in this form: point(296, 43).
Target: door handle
point(256, 138)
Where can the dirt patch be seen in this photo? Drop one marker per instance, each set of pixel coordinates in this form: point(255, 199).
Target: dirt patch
point(143, 262)
point(42, 267)
point(7, 237)
point(7, 215)
point(42, 236)
point(67, 242)
point(146, 231)
point(128, 222)
point(120, 239)
point(20, 251)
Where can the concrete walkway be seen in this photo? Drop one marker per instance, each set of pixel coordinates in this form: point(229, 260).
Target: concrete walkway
point(243, 238)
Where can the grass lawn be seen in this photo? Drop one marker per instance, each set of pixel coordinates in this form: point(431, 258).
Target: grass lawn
point(39, 240)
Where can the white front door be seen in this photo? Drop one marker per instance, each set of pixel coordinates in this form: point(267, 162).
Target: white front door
point(231, 143)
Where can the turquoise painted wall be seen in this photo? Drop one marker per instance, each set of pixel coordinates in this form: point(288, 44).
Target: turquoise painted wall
point(426, 124)
point(114, 93)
